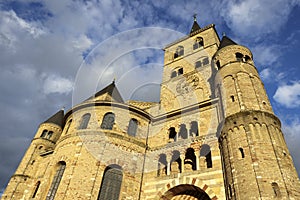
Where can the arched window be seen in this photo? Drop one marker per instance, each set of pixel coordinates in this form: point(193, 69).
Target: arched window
point(198, 63)
point(242, 155)
point(179, 51)
point(218, 64)
point(247, 58)
point(276, 189)
point(175, 162)
point(229, 191)
point(206, 152)
point(198, 43)
point(44, 133)
point(108, 121)
point(202, 62)
point(173, 74)
point(172, 134)
point(111, 183)
point(162, 165)
point(239, 56)
point(84, 121)
point(180, 71)
point(56, 180)
point(183, 131)
point(36, 188)
point(190, 159)
point(132, 127)
point(205, 61)
point(49, 135)
point(194, 129)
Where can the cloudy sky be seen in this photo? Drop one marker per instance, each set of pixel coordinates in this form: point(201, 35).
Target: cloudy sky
point(57, 53)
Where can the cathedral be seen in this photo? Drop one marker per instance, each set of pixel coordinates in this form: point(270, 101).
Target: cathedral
point(213, 135)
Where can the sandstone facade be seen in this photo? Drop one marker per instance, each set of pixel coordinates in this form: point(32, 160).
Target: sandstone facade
point(213, 135)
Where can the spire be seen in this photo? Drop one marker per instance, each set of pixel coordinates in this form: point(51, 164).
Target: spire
point(226, 41)
point(57, 118)
point(112, 91)
point(195, 26)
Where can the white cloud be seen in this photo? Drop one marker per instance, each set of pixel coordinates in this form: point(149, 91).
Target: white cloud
point(265, 74)
point(266, 55)
point(10, 20)
point(256, 18)
point(57, 84)
point(82, 43)
point(288, 95)
point(292, 137)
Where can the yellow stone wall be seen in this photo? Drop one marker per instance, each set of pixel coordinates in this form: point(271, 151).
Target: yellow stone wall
point(232, 111)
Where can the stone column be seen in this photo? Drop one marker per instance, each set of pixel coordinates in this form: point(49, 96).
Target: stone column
point(182, 162)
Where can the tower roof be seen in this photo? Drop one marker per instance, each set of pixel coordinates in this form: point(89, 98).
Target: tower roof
point(195, 26)
point(57, 118)
point(226, 41)
point(112, 92)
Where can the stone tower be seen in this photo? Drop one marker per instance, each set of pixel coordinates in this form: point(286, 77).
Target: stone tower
point(256, 160)
point(213, 135)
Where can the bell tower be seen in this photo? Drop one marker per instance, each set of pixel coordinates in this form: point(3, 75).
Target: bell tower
point(256, 160)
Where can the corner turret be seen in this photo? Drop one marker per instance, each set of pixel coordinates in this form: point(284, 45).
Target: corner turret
point(256, 160)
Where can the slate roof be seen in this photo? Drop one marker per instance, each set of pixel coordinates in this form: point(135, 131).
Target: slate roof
point(195, 27)
point(57, 118)
point(226, 41)
point(111, 90)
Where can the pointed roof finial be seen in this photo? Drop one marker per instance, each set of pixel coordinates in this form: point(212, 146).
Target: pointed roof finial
point(195, 17)
point(223, 34)
point(114, 80)
point(195, 26)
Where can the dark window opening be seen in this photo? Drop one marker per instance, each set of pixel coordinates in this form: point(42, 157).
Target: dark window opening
point(208, 160)
point(194, 129)
point(132, 127)
point(229, 191)
point(179, 51)
point(49, 135)
point(108, 121)
point(276, 189)
point(173, 74)
point(172, 133)
point(206, 152)
point(218, 64)
point(239, 56)
point(111, 183)
point(44, 133)
point(190, 159)
point(195, 46)
point(183, 131)
point(247, 58)
point(175, 162)
point(162, 165)
point(56, 180)
point(242, 152)
point(232, 98)
point(180, 71)
point(198, 64)
point(284, 153)
point(84, 121)
point(205, 61)
point(36, 188)
point(198, 43)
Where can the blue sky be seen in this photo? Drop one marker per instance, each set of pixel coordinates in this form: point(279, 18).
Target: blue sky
point(43, 44)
